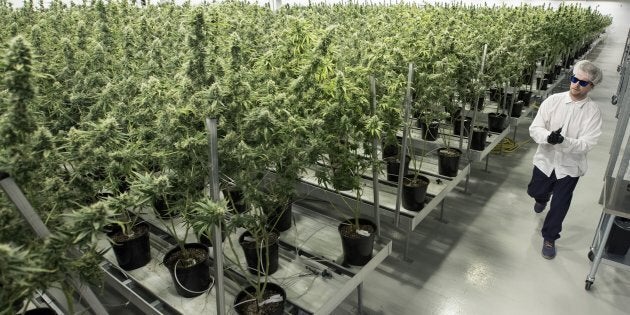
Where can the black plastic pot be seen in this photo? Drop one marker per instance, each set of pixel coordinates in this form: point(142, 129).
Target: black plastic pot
point(235, 199)
point(193, 280)
point(478, 139)
point(256, 257)
point(526, 76)
point(162, 208)
point(508, 101)
point(390, 150)
point(448, 161)
point(414, 192)
point(525, 96)
point(619, 238)
point(480, 102)
point(280, 219)
point(496, 94)
point(430, 131)
point(393, 167)
point(206, 239)
point(517, 109)
point(244, 307)
point(543, 84)
point(41, 311)
point(457, 126)
point(18, 304)
point(357, 249)
point(550, 76)
point(496, 122)
point(132, 253)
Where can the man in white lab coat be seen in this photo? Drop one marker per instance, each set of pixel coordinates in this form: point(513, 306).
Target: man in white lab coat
point(566, 127)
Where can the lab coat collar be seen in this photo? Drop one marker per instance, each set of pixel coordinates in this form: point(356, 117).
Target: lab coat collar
point(580, 104)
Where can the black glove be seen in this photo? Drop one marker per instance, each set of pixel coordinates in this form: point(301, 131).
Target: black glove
point(555, 137)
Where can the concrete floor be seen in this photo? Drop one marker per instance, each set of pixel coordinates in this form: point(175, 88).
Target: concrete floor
point(486, 259)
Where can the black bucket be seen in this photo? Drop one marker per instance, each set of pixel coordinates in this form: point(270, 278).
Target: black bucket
point(274, 308)
point(496, 122)
point(257, 257)
point(508, 101)
point(192, 280)
point(448, 164)
point(40, 311)
point(478, 139)
point(280, 219)
point(517, 109)
point(525, 96)
point(393, 168)
point(413, 195)
point(543, 84)
point(496, 94)
point(480, 102)
point(357, 251)
point(390, 150)
point(619, 237)
point(235, 200)
point(457, 126)
point(162, 208)
point(430, 131)
point(135, 252)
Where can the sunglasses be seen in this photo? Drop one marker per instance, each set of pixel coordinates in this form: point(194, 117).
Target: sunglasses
point(576, 80)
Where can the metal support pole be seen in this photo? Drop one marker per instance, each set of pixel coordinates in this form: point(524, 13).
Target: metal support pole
point(28, 213)
point(375, 182)
point(404, 144)
point(597, 236)
point(407, 240)
point(360, 299)
point(515, 127)
point(211, 126)
point(467, 179)
point(600, 249)
point(441, 219)
point(487, 158)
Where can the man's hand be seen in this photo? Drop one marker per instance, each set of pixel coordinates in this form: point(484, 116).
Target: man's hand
point(555, 137)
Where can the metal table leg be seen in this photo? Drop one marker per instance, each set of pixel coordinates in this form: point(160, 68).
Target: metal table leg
point(514, 136)
point(598, 232)
point(441, 219)
point(467, 179)
point(359, 299)
point(407, 240)
point(487, 158)
point(608, 221)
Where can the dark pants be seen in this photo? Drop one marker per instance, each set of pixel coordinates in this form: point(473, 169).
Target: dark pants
point(541, 188)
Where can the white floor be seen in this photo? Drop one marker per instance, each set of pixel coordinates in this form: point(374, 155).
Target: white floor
point(486, 259)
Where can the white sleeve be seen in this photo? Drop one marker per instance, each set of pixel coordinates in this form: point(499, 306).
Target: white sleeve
point(538, 129)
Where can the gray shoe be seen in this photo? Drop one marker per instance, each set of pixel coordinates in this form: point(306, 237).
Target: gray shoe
point(549, 249)
point(539, 207)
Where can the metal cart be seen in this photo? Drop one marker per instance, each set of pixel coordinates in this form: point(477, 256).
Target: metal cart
point(616, 191)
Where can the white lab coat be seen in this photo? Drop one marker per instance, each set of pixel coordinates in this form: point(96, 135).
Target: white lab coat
point(581, 124)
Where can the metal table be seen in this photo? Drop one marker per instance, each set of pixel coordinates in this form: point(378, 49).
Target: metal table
point(437, 191)
point(311, 246)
